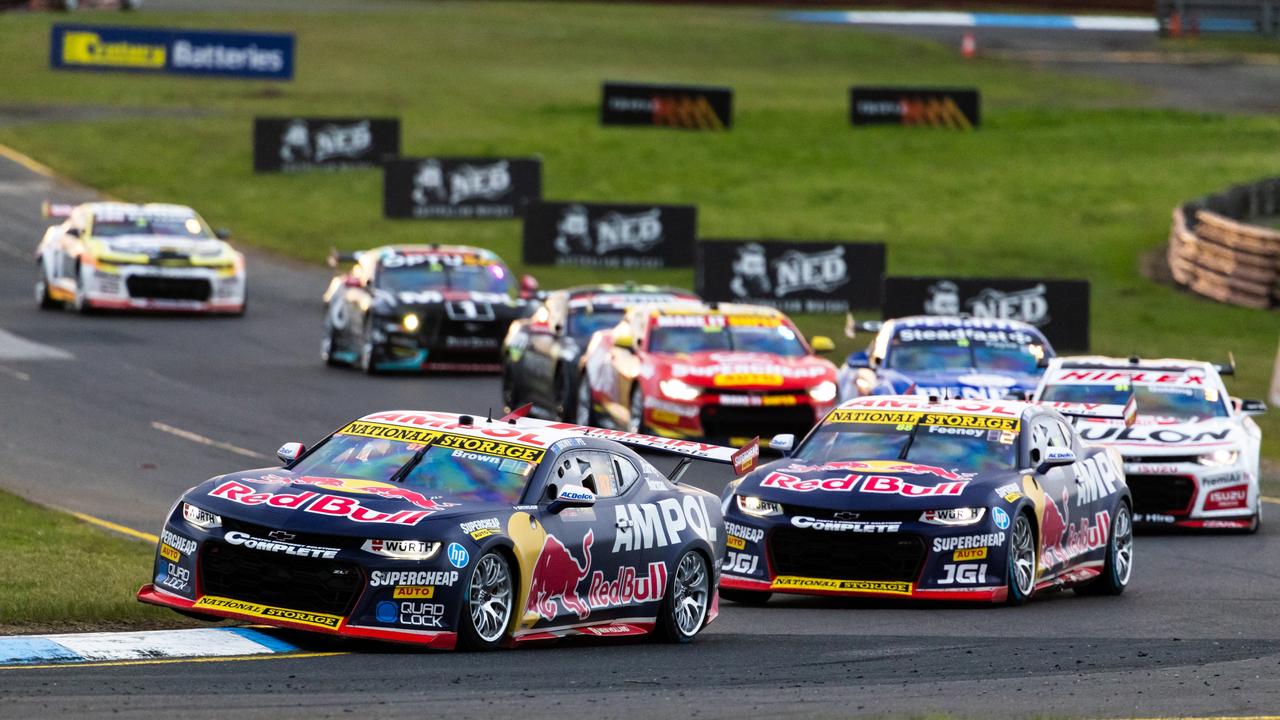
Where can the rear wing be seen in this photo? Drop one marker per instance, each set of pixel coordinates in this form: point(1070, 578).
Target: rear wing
point(58, 211)
point(1126, 413)
point(338, 258)
point(743, 459)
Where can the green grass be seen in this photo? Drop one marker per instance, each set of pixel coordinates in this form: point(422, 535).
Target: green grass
point(57, 573)
point(1063, 179)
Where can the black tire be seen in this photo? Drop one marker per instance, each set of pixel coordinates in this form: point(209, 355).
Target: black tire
point(746, 597)
point(1020, 569)
point(1256, 525)
point(80, 303)
point(687, 601)
point(584, 408)
point(636, 424)
point(566, 394)
point(509, 397)
point(43, 298)
point(365, 360)
point(1119, 566)
point(327, 346)
point(491, 579)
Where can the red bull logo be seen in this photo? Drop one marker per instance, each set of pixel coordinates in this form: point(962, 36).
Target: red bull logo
point(884, 484)
point(556, 576)
point(363, 487)
point(886, 467)
point(1064, 540)
point(318, 503)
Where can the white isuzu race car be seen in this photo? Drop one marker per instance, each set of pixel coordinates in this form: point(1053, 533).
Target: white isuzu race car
point(120, 256)
point(1191, 453)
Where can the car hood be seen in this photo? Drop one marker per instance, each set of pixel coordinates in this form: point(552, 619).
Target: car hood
point(1150, 436)
point(874, 485)
point(962, 383)
point(742, 370)
point(281, 499)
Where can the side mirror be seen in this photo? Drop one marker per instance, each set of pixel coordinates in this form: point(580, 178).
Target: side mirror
point(822, 344)
point(222, 234)
point(858, 361)
point(528, 287)
point(352, 281)
point(73, 232)
point(289, 452)
point(1053, 457)
point(1253, 407)
point(571, 496)
point(783, 443)
point(626, 342)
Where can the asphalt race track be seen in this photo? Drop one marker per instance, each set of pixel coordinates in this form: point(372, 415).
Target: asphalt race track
point(115, 416)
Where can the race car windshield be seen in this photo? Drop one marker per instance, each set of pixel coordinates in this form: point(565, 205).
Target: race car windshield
point(441, 471)
point(584, 324)
point(492, 278)
point(964, 355)
point(1182, 403)
point(967, 449)
point(779, 340)
point(168, 225)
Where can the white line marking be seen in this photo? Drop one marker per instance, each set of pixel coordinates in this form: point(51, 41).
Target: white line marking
point(198, 438)
point(1273, 501)
point(13, 347)
point(158, 643)
point(15, 374)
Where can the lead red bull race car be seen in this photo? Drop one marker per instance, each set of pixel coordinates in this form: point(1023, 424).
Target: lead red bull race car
point(448, 531)
point(908, 497)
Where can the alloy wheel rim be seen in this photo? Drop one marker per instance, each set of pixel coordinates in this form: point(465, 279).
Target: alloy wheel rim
point(689, 594)
point(1123, 536)
point(490, 597)
point(1024, 555)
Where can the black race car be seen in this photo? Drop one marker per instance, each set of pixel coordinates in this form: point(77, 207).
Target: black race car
point(422, 307)
point(448, 531)
point(542, 355)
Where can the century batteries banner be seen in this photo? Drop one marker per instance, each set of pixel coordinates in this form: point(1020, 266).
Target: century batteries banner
point(284, 144)
point(260, 56)
point(795, 277)
point(610, 236)
point(931, 107)
point(686, 107)
point(1059, 308)
point(490, 188)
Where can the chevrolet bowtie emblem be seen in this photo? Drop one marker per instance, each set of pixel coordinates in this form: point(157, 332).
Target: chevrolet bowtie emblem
point(281, 535)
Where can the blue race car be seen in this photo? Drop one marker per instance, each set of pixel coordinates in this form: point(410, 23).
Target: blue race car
point(448, 531)
point(948, 357)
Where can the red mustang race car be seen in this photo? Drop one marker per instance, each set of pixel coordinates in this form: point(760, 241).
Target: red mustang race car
point(728, 372)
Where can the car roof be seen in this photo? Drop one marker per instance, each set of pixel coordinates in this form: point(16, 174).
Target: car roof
point(154, 209)
point(921, 403)
point(949, 321)
point(434, 249)
point(699, 308)
point(623, 288)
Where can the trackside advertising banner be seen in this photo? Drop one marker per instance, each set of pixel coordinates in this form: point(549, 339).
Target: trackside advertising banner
point(1059, 308)
point(610, 236)
point(953, 108)
point(687, 107)
point(283, 144)
point(490, 188)
point(257, 56)
point(795, 277)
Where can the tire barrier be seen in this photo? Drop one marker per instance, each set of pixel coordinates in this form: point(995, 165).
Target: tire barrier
point(1215, 251)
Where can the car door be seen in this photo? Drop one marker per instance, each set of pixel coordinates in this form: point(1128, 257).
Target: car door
point(539, 364)
point(1060, 493)
point(578, 543)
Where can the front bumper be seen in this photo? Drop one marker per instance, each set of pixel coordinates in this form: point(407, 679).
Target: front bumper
point(316, 583)
point(164, 289)
point(1185, 494)
point(441, 345)
point(734, 417)
point(881, 555)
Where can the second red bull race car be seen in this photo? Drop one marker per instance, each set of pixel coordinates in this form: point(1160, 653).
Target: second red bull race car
point(904, 497)
point(448, 531)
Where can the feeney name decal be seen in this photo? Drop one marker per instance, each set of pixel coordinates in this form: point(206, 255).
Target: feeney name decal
point(317, 503)
point(267, 612)
point(791, 582)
